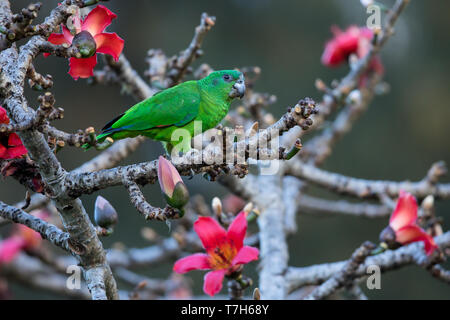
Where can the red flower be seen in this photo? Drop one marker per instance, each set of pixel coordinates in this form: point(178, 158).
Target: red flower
point(92, 40)
point(22, 238)
point(403, 228)
point(11, 146)
point(225, 251)
point(354, 40)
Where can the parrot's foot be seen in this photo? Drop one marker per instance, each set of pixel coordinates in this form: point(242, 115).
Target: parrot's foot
point(179, 149)
point(191, 174)
point(105, 144)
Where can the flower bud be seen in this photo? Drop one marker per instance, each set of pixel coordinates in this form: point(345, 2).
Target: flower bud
point(217, 206)
point(180, 196)
point(85, 43)
point(388, 237)
point(172, 186)
point(428, 202)
point(105, 215)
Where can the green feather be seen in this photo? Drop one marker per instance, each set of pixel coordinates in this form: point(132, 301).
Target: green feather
point(206, 100)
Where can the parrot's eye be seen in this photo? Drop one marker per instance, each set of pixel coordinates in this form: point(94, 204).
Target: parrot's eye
point(227, 77)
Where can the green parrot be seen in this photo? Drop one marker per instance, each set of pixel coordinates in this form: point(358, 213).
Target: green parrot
point(206, 100)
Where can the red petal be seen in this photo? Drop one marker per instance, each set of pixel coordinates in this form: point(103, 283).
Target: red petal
point(67, 34)
point(405, 212)
point(210, 232)
point(344, 43)
point(14, 140)
point(15, 147)
point(213, 282)
point(245, 255)
point(348, 41)
point(411, 234)
point(198, 261)
point(3, 116)
point(109, 43)
point(15, 152)
point(82, 68)
point(430, 245)
point(59, 38)
point(3, 152)
point(332, 55)
point(237, 229)
point(97, 20)
point(9, 248)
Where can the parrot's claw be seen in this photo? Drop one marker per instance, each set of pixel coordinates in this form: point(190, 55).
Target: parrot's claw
point(191, 174)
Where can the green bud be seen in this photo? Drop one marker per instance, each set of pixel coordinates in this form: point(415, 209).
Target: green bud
point(85, 43)
point(180, 196)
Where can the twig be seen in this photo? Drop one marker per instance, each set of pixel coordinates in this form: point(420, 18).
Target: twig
point(178, 65)
point(388, 260)
point(46, 230)
point(365, 188)
point(146, 209)
point(315, 205)
point(345, 276)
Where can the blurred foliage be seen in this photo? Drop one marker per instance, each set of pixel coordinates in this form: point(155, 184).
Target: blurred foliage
point(400, 136)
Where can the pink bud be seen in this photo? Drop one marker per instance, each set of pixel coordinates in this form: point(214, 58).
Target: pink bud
point(168, 176)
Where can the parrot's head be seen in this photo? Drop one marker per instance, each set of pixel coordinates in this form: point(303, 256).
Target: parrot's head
point(225, 84)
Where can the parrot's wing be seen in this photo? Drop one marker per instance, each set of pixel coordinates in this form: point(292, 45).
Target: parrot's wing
point(176, 106)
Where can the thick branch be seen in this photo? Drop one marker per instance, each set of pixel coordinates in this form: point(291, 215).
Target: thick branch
point(73, 214)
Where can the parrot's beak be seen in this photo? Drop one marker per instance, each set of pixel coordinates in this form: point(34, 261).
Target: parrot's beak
point(238, 89)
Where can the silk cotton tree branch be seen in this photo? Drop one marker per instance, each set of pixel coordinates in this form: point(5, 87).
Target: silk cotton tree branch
point(362, 188)
point(46, 230)
point(193, 161)
point(278, 197)
point(298, 277)
point(14, 65)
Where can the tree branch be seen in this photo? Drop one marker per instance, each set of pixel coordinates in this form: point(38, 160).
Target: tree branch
point(388, 260)
point(367, 188)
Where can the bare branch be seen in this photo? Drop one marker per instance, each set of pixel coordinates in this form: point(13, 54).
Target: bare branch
point(345, 276)
point(73, 214)
point(193, 161)
point(145, 208)
point(364, 188)
point(178, 65)
point(46, 230)
point(322, 206)
point(389, 260)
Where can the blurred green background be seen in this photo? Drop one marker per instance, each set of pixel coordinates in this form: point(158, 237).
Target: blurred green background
point(400, 136)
